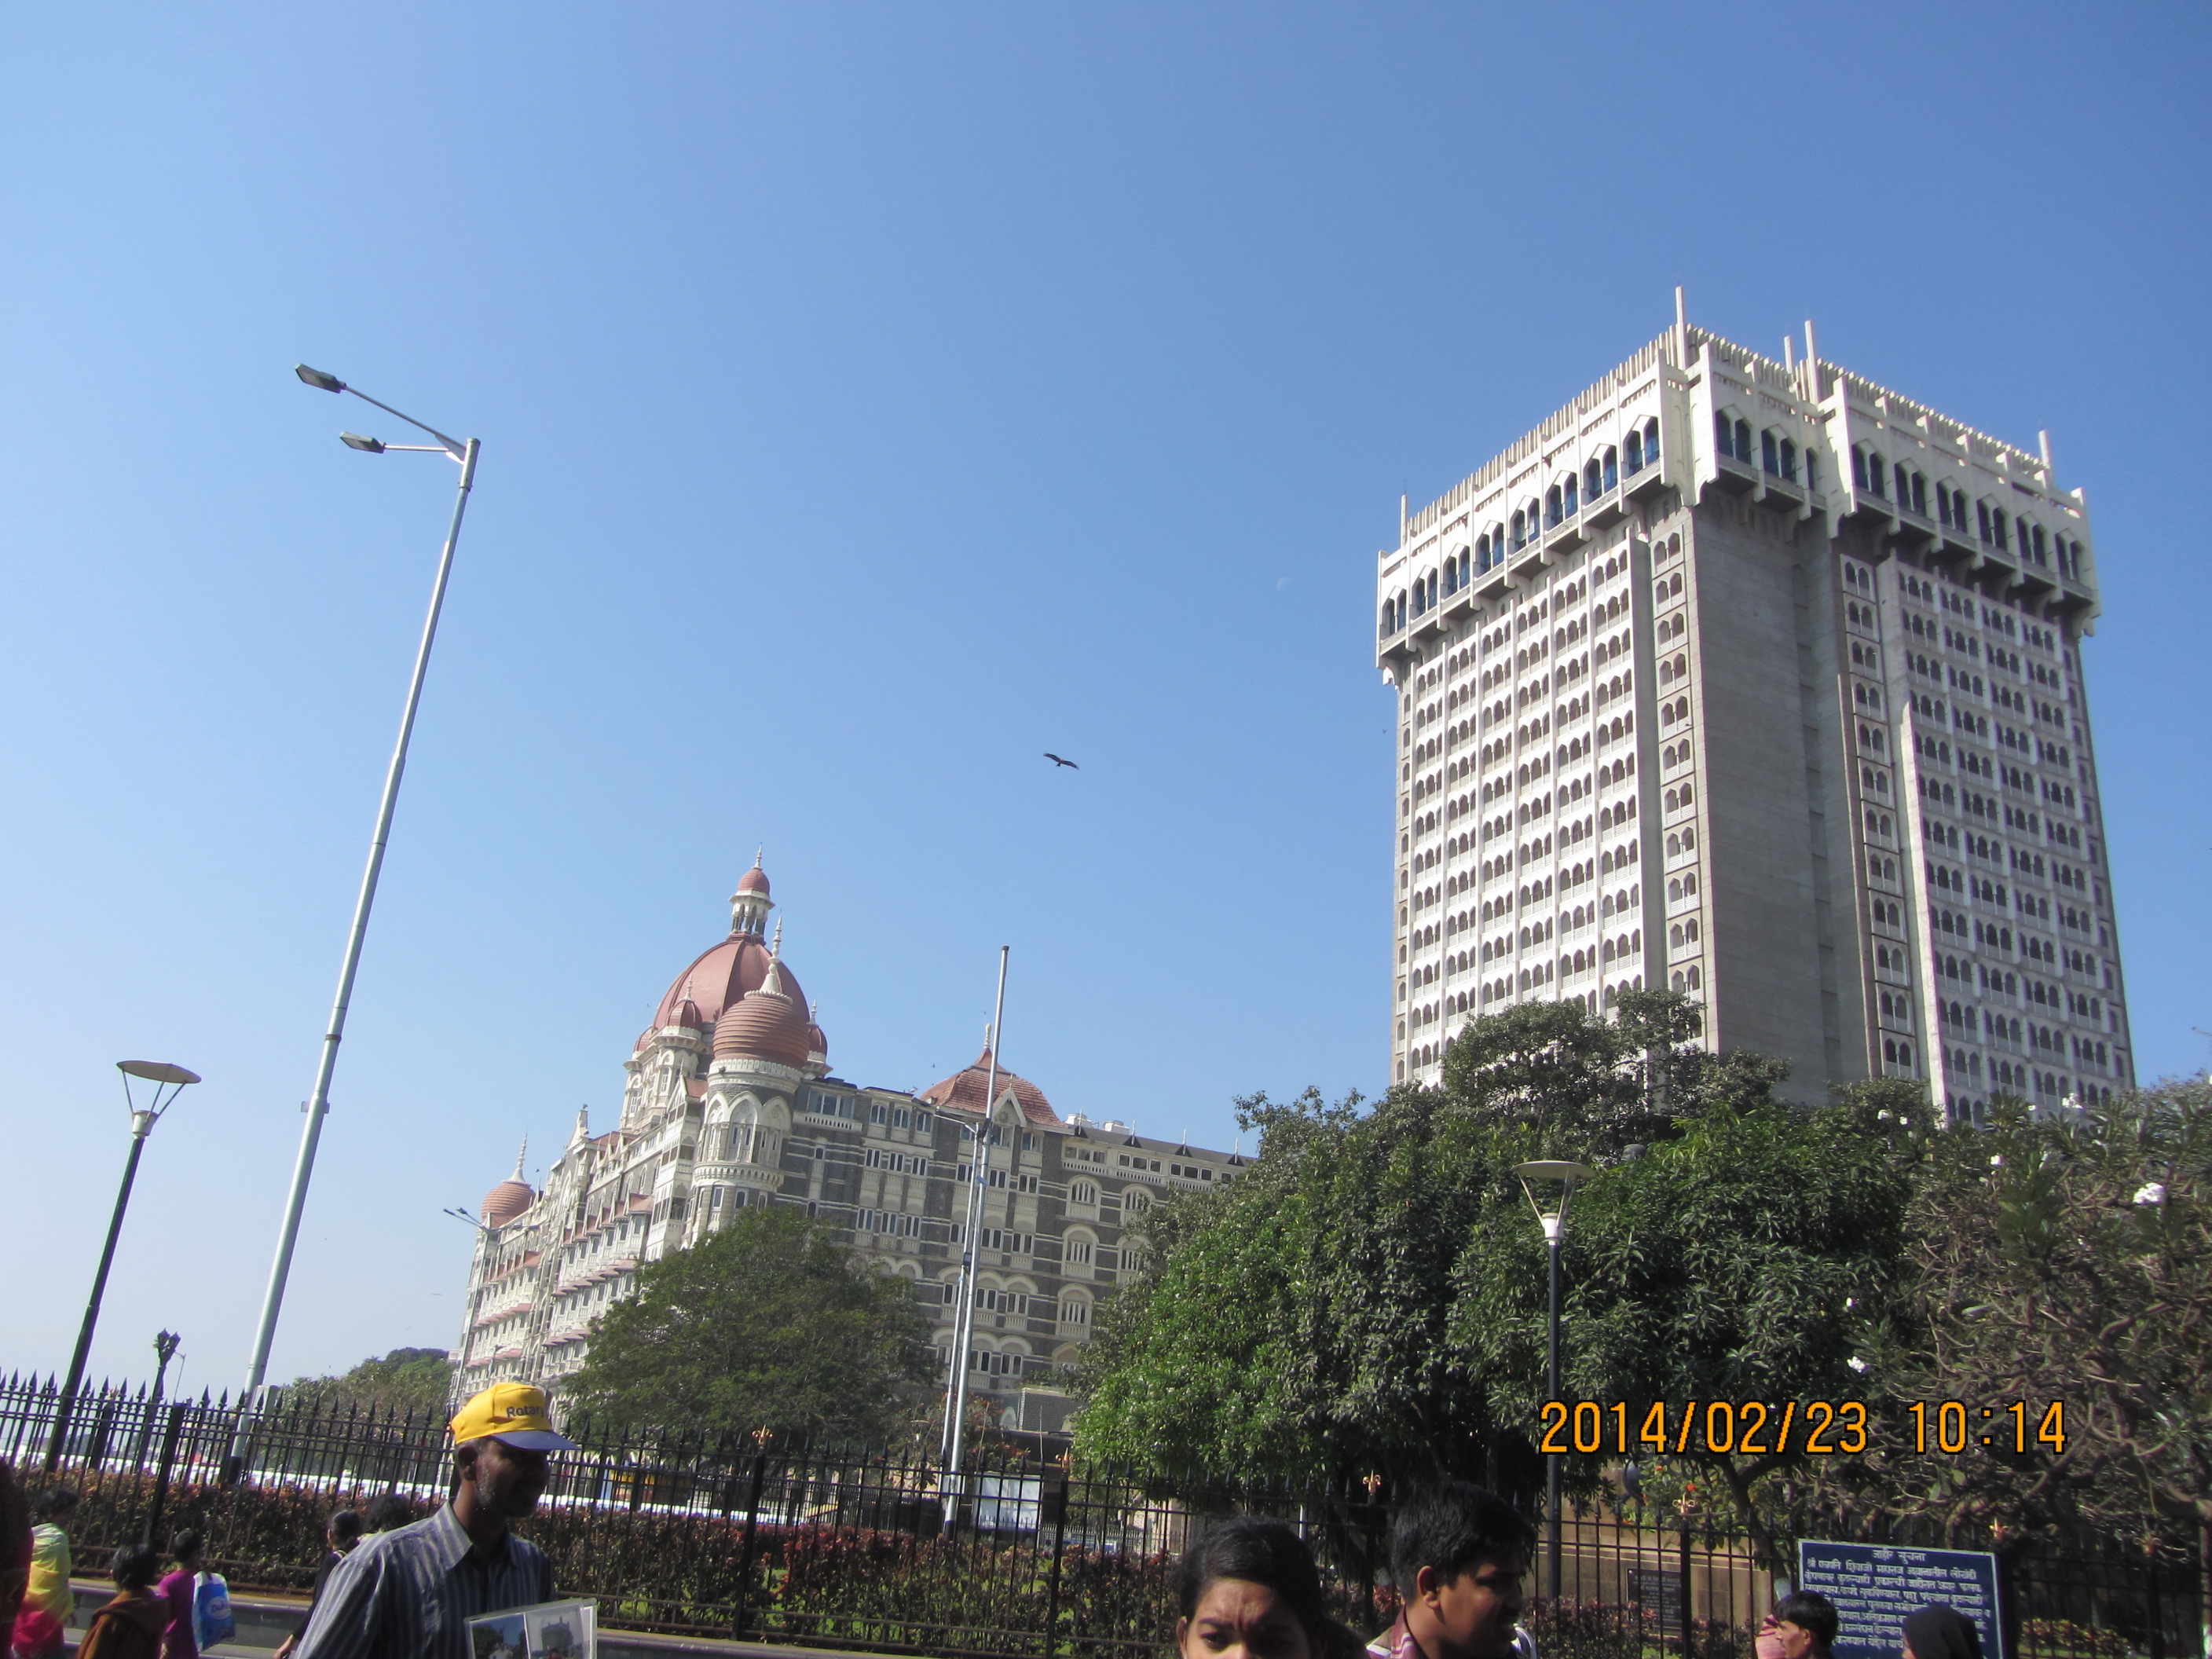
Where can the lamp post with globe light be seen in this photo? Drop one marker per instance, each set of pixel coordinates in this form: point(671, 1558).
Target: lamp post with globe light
point(464, 452)
point(161, 1075)
point(1559, 1177)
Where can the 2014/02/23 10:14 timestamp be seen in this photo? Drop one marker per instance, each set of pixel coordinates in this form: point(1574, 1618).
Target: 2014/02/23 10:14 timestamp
point(1958, 1425)
point(1752, 1428)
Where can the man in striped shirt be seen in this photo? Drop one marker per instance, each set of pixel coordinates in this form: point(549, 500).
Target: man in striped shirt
point(408, 1594)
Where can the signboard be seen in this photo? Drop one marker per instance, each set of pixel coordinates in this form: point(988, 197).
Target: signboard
point(1873, 1586)
point(1658, 1591)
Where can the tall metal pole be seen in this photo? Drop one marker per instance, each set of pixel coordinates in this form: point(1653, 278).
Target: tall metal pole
point(141, 1125)
point(964, 1322)
point(319, 1102)
point(1552, 1462)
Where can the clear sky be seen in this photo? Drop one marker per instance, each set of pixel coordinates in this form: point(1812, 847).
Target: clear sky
point(872, 398)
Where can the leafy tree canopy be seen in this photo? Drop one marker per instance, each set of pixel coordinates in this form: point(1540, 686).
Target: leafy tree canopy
point(407, 1381)
point(769, 1323)
point(2054, 1260)
point(1372, 1296)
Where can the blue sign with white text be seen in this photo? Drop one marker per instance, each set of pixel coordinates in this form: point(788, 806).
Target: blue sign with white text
point(1873, 1586)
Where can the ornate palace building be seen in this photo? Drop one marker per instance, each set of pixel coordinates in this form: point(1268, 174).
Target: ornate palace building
point(730, 1102)
point(1762, 682)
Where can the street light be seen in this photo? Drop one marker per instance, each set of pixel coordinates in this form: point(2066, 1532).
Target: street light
point(1547, 1175)
point(318, 1102)
point(161, 1075)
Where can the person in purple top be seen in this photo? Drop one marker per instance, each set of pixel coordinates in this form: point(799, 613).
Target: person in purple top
point(175, 1592)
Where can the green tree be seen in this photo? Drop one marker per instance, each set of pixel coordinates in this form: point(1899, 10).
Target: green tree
point(407, 1381)
point(769, 1323)
point(1371, 1297)
point(2056, 1260)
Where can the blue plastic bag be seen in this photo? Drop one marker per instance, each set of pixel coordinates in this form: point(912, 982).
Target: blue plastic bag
point(211, 1620)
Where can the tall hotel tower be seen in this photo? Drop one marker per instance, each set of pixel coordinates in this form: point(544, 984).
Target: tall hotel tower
point(1761, 682)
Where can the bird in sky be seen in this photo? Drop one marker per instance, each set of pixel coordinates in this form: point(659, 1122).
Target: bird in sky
point(1056, 761)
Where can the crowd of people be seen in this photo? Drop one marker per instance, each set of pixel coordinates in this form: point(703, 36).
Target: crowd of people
point(391, 1586)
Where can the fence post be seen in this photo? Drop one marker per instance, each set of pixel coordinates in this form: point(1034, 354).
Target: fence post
point(161, 1479)
point(1057, 1495)
point(1689, 1629)
point(745, 1560)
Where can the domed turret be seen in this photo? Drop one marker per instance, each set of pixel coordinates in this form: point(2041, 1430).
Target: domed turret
point(511, 1197)
point(768, 1023)
point(964, 1091)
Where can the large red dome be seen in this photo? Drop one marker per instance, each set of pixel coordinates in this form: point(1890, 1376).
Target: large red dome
point(720, 977)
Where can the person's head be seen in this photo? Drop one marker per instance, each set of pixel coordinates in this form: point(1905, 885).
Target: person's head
point(344, 1529)
point(1937, 1631)
point(57, 1504)
point(1249, 1590)
point(503, 1438)
point(187, 1549)
point(387, 1511)
point(136, 1567)
point(1458, 1557)
point(1806, 1623)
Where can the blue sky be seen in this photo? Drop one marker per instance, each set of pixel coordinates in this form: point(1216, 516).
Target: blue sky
point(874, 398)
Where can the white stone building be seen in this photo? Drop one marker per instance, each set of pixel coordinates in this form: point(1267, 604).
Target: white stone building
point(1758, 680)
point(730, 1102)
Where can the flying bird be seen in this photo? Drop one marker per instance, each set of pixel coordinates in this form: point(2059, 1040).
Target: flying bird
point(1056, 761)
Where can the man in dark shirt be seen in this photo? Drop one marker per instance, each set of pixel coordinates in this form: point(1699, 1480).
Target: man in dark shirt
point(340, 1534)
point(410, 1594)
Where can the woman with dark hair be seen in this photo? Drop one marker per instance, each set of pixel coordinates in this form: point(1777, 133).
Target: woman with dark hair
point(129, 1626)
point(1938, 1631)
point(1249, 1590)
point(179, 1640)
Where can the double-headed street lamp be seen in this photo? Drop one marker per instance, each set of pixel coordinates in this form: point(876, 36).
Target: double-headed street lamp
point(462, 452)
point(161, 1075)
point(1556, 1179)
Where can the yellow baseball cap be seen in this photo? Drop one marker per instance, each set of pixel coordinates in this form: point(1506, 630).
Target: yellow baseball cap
point(512, 1412)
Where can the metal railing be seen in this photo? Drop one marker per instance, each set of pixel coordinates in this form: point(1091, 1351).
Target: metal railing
point(1023, 1557)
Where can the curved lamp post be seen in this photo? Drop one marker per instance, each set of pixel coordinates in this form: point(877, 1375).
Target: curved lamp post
point(161, 1075)
point(462, 452)
point(1555, 1179)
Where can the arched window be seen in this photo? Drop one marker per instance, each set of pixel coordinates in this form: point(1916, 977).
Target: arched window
point(1083, 1192)
point(1743, 441)
point(1633, 463)
point(1770, 454)
point(1877, 473)
point(1593, 482)
point(1790, 460)
point(1383, 629)
point(1904, 486)
point(1612, 475)
point(1723, 434)
point(1520, 535)
point(1997, 518)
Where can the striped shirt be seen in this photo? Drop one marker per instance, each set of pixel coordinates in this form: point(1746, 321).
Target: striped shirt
point(408, 1594)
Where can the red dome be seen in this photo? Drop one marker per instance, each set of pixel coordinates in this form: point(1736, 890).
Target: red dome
point(506, 1201)
point(963, 1091)
point(766, 1024)
point(719, 978)
point(818, 1046)
point(754, 880)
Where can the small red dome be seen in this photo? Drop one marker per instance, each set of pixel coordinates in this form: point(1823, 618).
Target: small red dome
point(963, 1091)
point(687, 1014)
point(766, 1024)
point(818, 1046)
point(506, 1201)
point(754, 880)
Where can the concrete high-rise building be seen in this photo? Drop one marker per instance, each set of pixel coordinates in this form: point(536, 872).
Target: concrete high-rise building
point(1756, 680)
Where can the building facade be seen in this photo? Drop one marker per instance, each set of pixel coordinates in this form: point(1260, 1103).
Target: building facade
point(1759, 681)
point(729, 1101)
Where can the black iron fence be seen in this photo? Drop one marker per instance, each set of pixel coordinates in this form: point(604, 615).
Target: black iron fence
point(1024, 1558)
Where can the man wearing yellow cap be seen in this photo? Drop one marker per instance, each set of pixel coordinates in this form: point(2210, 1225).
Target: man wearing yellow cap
point(408, 1594)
